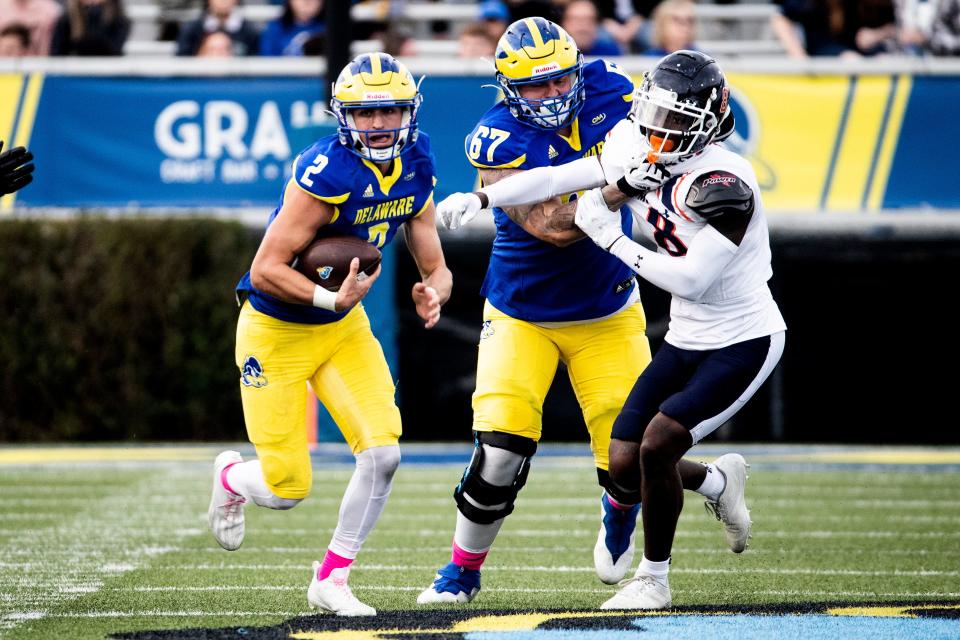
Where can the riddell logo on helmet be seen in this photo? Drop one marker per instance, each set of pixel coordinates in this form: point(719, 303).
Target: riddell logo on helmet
point(546, 68)
point(380, 95)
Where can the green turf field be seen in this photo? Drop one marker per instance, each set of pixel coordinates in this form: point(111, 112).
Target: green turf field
point(99, 547)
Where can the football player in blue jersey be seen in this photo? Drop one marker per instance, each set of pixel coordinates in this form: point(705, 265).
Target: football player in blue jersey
point(550, 298)
point(700, 205)
point(375, 177)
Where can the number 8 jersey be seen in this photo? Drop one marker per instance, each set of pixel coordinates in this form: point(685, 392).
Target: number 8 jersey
point(366, 204)
point(527, 278)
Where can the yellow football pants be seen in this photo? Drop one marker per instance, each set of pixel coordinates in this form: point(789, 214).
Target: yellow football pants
point(346, 368)
point(517, 362)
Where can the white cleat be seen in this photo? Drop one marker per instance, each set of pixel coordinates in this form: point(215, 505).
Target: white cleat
point(731, 507)
point(615, 547)
point(640, 592)
point(225, 514)
point(333, 595)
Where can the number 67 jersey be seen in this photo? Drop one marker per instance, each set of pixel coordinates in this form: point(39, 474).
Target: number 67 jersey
point(366, 204)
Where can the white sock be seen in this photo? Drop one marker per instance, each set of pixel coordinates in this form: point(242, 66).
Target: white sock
point(658, 570)
point(713, 485)
point(247, 479)
point(474, 537)
point(364, 499)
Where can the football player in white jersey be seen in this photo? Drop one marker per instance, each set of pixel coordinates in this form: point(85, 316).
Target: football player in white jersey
point(699, 203)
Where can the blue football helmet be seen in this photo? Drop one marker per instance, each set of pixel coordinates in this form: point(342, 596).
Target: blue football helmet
point(374, 80)
point(531, 51)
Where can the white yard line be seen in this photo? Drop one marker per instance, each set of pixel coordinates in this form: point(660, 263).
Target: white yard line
point(83, 550)
point(361, 587)
point(240, 566)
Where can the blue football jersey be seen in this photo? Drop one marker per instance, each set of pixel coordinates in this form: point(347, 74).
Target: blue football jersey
point(367, 205)
point(530, 279)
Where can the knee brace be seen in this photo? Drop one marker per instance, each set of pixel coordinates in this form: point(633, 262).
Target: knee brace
point(495, 475)
point(615, 491)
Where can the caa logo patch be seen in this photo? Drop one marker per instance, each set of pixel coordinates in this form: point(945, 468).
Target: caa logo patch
point(251, 373)
point(487, 330)
point(324, 272)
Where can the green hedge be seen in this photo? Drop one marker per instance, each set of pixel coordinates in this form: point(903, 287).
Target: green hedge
point(116, 329)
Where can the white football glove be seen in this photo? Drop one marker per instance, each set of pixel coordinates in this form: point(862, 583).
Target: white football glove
point(597, 221)
point(643, 176)
point(458, 209)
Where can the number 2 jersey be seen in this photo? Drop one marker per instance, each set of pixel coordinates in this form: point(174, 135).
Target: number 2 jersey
point(366, 204)
point(527, 278)
point(738, 305)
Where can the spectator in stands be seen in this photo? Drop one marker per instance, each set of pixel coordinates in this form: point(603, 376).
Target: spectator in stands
point(475, 41)
point(835, 27)
point(914, 22)
point(495, 16)
point(301, 21)
point(219, 15)
point(945, 29)
point(91, 28)
point(216, 44)
point(14, 41)
point(38, 16)
point(623, 19)
point(520, 9)
point(582, 21)
point(673, 27)
point(398, 41)
point(876, 28)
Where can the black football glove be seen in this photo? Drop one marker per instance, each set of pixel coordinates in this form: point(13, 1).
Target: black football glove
point(15, 172)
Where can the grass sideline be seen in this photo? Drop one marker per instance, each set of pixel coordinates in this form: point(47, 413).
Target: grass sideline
point(90, 548)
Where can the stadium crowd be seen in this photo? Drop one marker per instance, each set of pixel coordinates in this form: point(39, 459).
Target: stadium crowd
point(800, 28)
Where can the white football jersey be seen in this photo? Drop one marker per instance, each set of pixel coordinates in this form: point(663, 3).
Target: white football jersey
point(738, 305)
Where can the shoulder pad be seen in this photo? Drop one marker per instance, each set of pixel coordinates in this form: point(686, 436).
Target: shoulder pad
point(421, 152)
point(498, 143)
point(312, 173)
point(719, 192)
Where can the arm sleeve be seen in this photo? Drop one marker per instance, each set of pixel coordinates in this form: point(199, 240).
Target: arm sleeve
point(543, 183)
point(687, 277)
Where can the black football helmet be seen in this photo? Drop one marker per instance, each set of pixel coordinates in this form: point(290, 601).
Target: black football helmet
point(680, 104)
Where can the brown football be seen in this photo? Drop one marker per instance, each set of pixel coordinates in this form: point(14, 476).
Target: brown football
point(326, 261)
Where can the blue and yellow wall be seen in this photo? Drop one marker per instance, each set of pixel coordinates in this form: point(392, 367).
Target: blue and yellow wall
point(831, 143)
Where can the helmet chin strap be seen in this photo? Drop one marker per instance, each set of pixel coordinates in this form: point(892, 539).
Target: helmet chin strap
point(384, 154)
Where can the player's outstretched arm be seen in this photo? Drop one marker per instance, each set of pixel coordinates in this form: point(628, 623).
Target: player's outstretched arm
point(688, 277)
point(424, 244)
point(521, 188)
point(548, 221)
point(300, 217)
point(16, 169)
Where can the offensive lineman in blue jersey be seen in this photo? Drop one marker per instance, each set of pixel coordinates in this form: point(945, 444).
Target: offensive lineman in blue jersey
point(544, 304)
point(373, 178)
point(543, 301)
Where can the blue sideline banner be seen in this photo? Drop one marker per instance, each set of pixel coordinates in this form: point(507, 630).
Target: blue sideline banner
point(840, 142)
point(194, 142)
